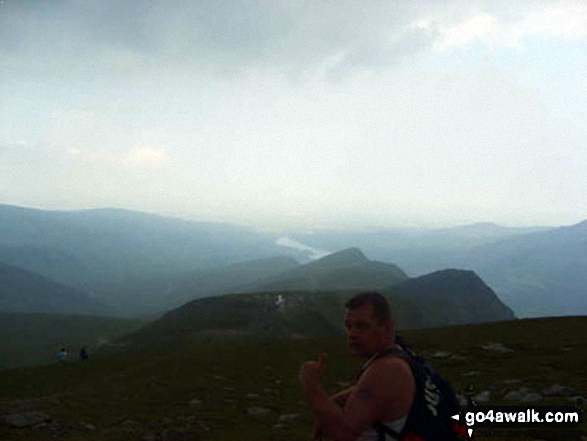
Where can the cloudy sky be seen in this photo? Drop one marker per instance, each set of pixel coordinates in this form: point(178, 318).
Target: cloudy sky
point(303, 113)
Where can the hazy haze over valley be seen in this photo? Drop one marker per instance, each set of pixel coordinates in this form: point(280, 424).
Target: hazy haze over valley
point(304, 114)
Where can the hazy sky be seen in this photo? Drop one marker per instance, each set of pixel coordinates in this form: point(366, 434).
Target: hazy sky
point(298, 112)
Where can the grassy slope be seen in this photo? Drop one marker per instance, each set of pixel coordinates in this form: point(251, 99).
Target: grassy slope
point(30, 339)
point(154, 387)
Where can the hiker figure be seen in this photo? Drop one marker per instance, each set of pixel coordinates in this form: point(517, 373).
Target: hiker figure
point(84, 355)
point(391, 399)
point(62, 355)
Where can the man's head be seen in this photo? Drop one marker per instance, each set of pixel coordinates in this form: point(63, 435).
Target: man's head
point(368, 323)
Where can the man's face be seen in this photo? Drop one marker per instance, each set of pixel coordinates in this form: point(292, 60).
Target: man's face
point(365, 335)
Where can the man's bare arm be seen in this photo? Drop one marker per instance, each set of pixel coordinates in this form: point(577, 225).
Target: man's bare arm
point(341, 397)
point(361, 409)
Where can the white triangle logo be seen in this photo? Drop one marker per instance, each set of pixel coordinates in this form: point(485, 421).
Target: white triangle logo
point(455, 417)
point(470, 433)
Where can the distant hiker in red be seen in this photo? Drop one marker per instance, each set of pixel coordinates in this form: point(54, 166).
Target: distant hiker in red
point(388, 401)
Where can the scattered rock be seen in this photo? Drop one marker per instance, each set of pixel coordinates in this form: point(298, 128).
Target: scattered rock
point(512, 381)
point(195, 402)
point(89, 427)
point(175, 434)
point(131, 426)
point(26, 419)
point(195, 424)
point(252, 396)
point(279, 426)
point(459, 358)
point(57, 430)
point(218, 377)
point(471, 374)
point(558, 390)
point(258, 411)
point(496, 347)
point(343, 384)
point(288, 417)
point(523, 395)
point(577, 399)
point(462, 400)
point(441, 355)
point(482, 397)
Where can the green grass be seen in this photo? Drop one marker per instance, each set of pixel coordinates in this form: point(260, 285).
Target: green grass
point(28, 339)
point(154, 387)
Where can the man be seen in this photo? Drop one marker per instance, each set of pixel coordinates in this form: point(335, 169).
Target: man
point(383, 393)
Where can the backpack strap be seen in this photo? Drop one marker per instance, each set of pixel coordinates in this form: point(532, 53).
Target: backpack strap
point(398, 352)
point(383, 430)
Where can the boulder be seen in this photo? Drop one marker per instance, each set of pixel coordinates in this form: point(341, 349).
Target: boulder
point(288, 417)
point(26, 419)
point(258, 411)
point(482, 397)
point(523, 395)
point(558, 390)
point(441, 355)
point(496, 347)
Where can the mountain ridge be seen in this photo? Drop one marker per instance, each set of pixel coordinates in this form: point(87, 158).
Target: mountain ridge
point(26, 291)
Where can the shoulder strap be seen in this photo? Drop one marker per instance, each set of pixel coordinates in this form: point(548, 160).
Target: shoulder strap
point(388, 352)
point(383, 430)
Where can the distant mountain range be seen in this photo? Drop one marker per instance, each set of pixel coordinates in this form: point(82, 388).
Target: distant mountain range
point(537, 271)
point(139, 263)
point(84, 248)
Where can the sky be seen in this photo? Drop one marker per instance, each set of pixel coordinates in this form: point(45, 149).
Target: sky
point(310, 114)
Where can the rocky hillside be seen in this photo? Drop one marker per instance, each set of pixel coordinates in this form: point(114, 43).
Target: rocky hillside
point(453, 297)
point(461, 298)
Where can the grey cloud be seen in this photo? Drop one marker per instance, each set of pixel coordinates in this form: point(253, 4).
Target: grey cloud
point(216, 33)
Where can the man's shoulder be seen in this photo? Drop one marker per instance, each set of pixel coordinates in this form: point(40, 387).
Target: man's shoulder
point(394, 369)
point(396, 363)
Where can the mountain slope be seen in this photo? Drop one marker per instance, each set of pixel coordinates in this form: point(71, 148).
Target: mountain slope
point(453, 297)
point(30, 338)
point(82, 248)
point(25, 291)
point(541, 273)
point(344, 270)
point(157, 294)
point(443, 298)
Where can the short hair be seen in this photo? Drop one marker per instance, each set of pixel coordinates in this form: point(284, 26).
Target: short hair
point(381, 308)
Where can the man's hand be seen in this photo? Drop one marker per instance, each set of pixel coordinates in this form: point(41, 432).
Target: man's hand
point(311, 371)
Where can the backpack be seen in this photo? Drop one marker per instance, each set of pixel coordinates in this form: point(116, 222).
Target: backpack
point(430, 417)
